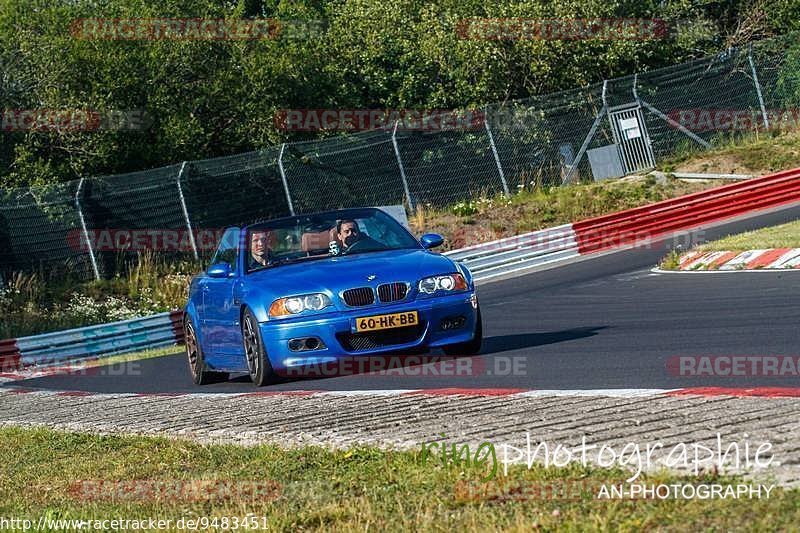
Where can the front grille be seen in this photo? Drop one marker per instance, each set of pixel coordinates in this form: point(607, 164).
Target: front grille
point(359, 297)
point(392, 292)
point(371, 340)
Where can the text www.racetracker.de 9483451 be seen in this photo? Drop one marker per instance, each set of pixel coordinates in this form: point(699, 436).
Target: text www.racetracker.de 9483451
point(194, 523)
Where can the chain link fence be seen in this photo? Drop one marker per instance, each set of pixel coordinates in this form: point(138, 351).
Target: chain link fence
point(89, 227)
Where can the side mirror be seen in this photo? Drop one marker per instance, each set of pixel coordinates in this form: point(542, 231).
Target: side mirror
point(431, 240)
point(220, 270)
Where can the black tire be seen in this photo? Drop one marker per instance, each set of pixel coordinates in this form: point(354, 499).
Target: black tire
point(258, 364)
point(197, 362)
point(472, 347)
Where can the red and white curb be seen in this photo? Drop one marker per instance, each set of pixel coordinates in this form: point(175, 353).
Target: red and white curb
point(757, 392)
point(784, 259)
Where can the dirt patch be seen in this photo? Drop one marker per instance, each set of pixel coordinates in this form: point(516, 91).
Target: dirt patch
point(760, 155)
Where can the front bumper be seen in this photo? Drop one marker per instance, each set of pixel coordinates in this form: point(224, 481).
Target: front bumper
point(337, 331)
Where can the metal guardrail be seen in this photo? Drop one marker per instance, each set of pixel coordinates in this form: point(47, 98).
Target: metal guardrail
point(529, 250)
point(155, 331)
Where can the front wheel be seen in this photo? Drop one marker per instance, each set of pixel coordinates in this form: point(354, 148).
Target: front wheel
point(197, 363)
point(258, 364)
point(472, 347)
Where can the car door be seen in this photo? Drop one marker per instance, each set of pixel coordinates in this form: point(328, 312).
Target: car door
point(219, 312)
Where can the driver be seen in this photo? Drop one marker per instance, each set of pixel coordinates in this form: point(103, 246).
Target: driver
point(348, 234)
point(260, 252)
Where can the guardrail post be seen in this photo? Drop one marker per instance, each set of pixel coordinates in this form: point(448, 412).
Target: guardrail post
point(494, 151)
point(758, 86)
point(85, 231)
point(283, 179)
point(402, 169)
point(186, 212)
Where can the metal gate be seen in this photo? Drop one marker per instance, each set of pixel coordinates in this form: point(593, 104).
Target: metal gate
point(631, 138)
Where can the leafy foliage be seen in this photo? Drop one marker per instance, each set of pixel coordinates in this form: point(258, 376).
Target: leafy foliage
point(213, 98)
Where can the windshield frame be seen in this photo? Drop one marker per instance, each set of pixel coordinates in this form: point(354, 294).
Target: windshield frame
point(339, 214)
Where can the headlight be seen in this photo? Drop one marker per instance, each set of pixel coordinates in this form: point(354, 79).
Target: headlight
point(447, 283)
point(298, 304)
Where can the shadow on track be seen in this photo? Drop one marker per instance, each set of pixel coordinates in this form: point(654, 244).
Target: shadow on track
point(505, 343)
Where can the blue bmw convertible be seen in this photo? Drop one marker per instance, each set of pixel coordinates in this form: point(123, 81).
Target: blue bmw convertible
point(311, 289)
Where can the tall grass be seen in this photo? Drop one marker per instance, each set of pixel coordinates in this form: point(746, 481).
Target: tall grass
point(30, 304)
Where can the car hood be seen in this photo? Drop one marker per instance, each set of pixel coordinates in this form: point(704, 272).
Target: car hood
point(336, 274)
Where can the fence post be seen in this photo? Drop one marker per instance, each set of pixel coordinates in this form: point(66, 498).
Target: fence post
point(400, 164)
point(283, 179)
point(758, 85)
point(186, 212)
point(494, 151)
point(85, 231)
point(588, 139)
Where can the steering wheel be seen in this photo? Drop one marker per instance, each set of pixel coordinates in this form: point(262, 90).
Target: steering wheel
point(362, 246)
point(353, 247)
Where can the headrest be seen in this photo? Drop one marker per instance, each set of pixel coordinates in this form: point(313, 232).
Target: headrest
point(315, 240)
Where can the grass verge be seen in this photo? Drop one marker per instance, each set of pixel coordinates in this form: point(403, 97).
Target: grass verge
point(756, 154)
point(130, 357)
point(315, 489)
point(781, 236)
point(33, 303)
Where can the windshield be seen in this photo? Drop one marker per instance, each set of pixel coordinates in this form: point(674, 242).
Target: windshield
point(309, 237)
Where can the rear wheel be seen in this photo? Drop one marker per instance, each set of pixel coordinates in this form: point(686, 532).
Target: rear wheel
point(472, 347)
point(258, 363)
point(197, 363)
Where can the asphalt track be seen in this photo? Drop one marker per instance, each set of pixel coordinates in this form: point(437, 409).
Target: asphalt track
point(603, 323)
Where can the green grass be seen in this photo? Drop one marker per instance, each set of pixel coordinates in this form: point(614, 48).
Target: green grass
point(359, 489)
point(672, 261)
point(783, 236)
point(756, 154)
point(134, 356)
point(33, 303)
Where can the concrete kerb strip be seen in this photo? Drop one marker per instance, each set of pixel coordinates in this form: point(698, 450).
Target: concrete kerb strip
point(761, 260)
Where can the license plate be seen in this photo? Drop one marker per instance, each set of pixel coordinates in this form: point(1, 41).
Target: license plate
point(394, 320)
